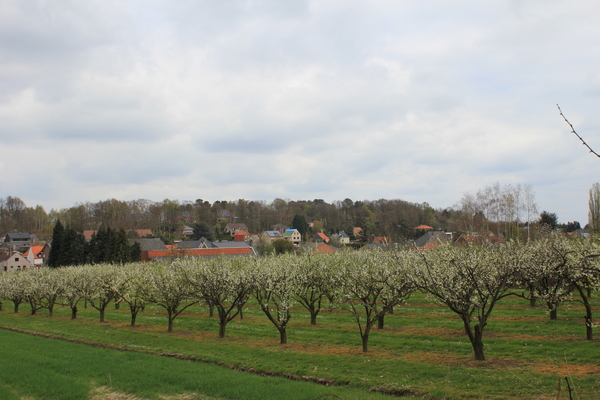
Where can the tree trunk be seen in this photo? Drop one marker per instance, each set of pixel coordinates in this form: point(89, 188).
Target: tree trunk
point(74, 312)
point(282, 335)
point(589, 335)
point(16, 304)
point(381, 321)
point(117, 306)
point(211, 308)
point(532, 302)
point(101, 314)
point(241, 311)
point(50, 310)
point(313, 317)
point(365, 342)
point(478, 344)
point(0, 306)
point(553, 315)
point(476, 337)
point(170, 317)
point(532, 298)
point(133, 317)
point(222, 328)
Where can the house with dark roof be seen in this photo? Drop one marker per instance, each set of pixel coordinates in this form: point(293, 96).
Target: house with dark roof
point(274, 235)
point(431, 239)
point(341, 237)
point(18, 240)
point(149, 244)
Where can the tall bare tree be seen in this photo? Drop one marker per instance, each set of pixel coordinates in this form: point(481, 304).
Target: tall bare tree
point(594, 208)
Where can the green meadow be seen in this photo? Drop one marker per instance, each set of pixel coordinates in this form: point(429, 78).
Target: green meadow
point(421, 352)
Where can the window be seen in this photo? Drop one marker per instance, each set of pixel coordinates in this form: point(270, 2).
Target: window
point(16, 259)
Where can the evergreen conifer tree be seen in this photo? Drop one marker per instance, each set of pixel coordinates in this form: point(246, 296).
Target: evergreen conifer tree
point(56, 249)
point(299, 223)
point(97, 246)
point(136, 252)
point(73, 248)
point(121, 252)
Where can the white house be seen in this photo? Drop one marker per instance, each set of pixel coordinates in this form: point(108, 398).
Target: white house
point(293, 236)
point(13, 261)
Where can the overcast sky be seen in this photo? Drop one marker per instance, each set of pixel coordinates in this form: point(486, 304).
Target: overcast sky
point(220, 100)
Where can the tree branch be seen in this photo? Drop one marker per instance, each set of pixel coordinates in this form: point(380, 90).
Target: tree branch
point(576, 134)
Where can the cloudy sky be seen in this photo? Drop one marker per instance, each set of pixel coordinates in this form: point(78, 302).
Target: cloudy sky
point(220, 100)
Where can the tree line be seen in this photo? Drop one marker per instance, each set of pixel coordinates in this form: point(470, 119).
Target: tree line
point(468, 279)
point(506, 210)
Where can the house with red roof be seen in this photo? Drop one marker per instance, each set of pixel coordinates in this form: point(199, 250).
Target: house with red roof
point(231, 229)
point(35, 255)
point(423, 227)
point(155, 250)
point(319, 248)
point(241, 236)
point(321, 237)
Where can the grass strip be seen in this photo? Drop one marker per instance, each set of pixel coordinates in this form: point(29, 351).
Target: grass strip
point(64, 370)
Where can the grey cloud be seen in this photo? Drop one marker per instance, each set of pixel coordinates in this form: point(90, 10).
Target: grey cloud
point(425, 99)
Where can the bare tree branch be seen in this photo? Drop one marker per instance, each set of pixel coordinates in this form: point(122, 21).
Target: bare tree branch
point(576, 134)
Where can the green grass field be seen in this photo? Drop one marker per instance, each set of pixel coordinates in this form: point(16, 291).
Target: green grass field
point(422, 351)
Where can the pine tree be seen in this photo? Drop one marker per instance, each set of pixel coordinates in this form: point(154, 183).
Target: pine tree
point(95, 246)
point(56, 249)
point(121, 252)
point(136, 252)
point(300, 224)
point(73, 248)
point(202, 229)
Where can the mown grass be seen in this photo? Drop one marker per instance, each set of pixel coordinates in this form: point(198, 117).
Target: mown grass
point(52, 369)
point(421, 349)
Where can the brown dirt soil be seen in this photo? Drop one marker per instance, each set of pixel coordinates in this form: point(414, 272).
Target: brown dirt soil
point(453, 333)
point(504, 364)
